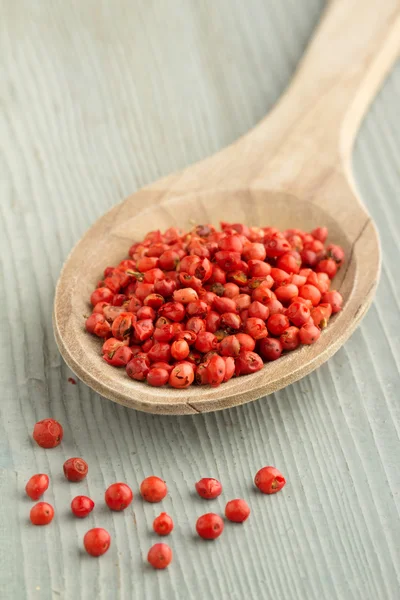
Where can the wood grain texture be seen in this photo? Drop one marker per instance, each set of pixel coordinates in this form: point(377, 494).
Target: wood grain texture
point(274, 175)
point(99, 99)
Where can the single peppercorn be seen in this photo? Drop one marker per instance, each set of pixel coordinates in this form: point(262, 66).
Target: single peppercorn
point(269, 480)
point(163, 524)
point(159, 556)
point(237, 510)
point(208, 488)
point(75, 469)
point(37, 485)
point(48, 433)
point(41, 514)
point(97, 541)
point(81, 506)
point(118, 496)
point(153, 489)
point(209, 526)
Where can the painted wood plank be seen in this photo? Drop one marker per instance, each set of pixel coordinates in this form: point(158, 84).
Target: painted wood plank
point(99, 99)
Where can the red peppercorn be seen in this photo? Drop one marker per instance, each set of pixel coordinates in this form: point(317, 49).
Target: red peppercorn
point(327, 266)
point(216, 370)
point(320, 233)
point(258, 268)
point(290, 338)
point(309, 333)
point(180, 349)
point(289, 262)
point(269, 480)
point(242, 301)
point(163, 524)
point(323, 282)
point(119, 357)
point(97, 541)
point(138, 368)
point(270, 348)
point(275, 246)
point(169, 260)
point(158, 377)
point(159, 556)
point(202, 374)
point(101, 294)
point(310, 292)
point(97, 325)
point(81, 506)
point(247, 362)
point(231, 243)
point(298, 313)
point(37, 485)
point(237, 510)
point(182, 376)
point(309, 258)
point(258, 310)
point(277, 324)
point(246, 341)
point(185, 295)
point(99, 308)
point(337, 253)
point(153, 489)
point(208, 488)
point(75, 469)
point(48, 433)
point(334, 299)
point(231, 290)
point(206, 341)
point(209, 526)
point(228, 261)
point(256, 328)
point(286, 293)
point(118, 496)
point(172, 310)
point(144, 329)
point(321, 315)
point(229, 367)
point(230, 346)
point(41, 514)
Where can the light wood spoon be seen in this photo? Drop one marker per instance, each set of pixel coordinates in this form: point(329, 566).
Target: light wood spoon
point(292, 170)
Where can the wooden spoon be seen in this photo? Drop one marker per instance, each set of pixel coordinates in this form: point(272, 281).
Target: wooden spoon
point(292, 170)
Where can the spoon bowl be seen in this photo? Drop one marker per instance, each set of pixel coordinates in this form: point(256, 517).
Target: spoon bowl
point(292, 170)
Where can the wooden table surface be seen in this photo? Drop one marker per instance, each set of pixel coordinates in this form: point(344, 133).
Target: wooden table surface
point(97, 99)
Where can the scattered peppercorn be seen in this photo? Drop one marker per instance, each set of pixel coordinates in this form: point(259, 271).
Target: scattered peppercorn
point(48, 433)
point(159, 556)
point(81, 506)
point(41, 514)
point(153, 489)
point(75, 469)
point(163, 524)
point(269, 480)
point(37, 485)
point(209, 526)
point(97, 541)
point(237, 510)
point(118, 496)
point(208, 488)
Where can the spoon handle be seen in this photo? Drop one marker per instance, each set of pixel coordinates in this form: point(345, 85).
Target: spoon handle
point(350, 54)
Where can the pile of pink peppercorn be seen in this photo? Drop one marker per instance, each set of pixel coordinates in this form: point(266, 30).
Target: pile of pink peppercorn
point(48, 433)
point(207, 305)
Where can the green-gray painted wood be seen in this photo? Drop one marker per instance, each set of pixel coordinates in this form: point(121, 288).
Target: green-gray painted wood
point(97, 99)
